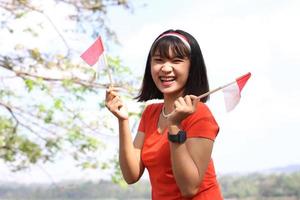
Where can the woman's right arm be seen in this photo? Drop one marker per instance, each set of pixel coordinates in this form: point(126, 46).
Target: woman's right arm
point(129, 152)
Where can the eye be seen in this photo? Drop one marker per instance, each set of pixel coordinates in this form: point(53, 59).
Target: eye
point(157, 59)
point(177, 60)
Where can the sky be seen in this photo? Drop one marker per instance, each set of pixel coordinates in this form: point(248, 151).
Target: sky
point(236, 37)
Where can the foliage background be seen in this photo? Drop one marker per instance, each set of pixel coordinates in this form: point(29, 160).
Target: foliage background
point(51, 102)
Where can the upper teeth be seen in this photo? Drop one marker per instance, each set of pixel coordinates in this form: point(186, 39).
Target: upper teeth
point(167, 78)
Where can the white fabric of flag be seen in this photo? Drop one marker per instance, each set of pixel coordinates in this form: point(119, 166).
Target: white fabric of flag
point(232, 92)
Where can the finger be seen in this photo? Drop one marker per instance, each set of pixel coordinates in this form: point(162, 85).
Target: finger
point(111, 92)
point(188, 100)
point(195, 103)
point(115, 100)
point(193, 97)
point(109, 89)
point(112, 88)
point(110, 95)
point(181, 101)
point(121, 111)
point(116, 104)
point(114, 94)
point(106, 95)
point(177, 105)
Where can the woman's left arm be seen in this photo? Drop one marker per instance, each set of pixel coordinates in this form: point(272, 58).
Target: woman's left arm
point(189, 163)
point(189, 159)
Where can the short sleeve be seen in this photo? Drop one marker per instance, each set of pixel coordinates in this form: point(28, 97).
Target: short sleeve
point(201, 124)
point(142, 127)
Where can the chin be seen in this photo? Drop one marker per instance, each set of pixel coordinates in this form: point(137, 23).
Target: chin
point(172, 92)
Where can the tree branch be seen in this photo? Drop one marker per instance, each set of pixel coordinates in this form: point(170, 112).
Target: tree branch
point(18, 122)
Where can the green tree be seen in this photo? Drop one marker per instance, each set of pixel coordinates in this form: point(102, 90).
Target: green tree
point(50, 100)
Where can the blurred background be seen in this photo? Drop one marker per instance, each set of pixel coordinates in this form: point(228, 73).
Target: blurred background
point(57, 140)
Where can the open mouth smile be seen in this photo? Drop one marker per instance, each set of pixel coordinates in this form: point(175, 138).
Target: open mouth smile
point(167, 78)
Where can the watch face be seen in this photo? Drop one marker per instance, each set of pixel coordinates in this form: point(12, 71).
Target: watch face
point(180, 137)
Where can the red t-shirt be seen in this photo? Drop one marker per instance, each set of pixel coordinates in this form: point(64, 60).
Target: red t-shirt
point(157, 159)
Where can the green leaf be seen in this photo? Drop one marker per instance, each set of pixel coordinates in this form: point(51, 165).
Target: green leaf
point(31, 150)
point(49, 117)
point(36, 55)
point(58, 104)
point(67, 83)
point(41, 108)
point(29, 84)
point(20, 14)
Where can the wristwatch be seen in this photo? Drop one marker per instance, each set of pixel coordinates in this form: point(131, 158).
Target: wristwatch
point(180, 137)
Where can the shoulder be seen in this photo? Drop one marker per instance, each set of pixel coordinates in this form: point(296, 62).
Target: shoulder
point(149, 116)
point(152, 108)
point(202, 111)
point(201, 123)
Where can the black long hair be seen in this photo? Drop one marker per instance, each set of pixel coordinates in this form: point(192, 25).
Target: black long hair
point(197, 82)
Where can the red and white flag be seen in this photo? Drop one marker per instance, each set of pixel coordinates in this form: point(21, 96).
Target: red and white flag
point(232, 92)
point(94, 52)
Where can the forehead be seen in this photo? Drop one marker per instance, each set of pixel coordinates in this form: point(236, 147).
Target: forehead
point(170, 47)
point(170, 53)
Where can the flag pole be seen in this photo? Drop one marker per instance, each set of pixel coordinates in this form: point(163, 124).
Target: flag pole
point(108, 70)
point(247, 76)
point(214, 90)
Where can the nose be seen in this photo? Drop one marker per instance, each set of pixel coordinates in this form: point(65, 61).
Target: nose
point(166, 67)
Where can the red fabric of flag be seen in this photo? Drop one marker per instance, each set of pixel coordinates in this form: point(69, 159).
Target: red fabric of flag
point(92, 54)
point(232, 93)
point(241, 81)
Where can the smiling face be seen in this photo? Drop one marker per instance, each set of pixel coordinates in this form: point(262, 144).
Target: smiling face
point(170, 72)
point(187, 76)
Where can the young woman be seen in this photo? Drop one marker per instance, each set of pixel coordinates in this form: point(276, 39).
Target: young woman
point(175, 138)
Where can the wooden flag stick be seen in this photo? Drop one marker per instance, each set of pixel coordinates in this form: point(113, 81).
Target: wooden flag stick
point(108, 71)
point(214, 90)
point(100, 67)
